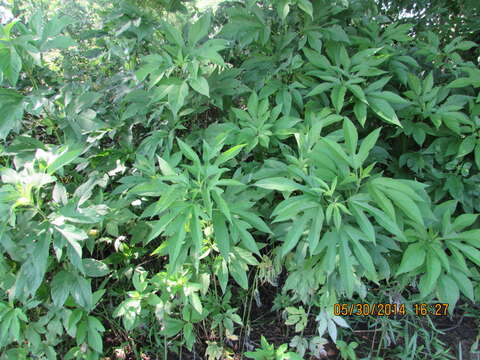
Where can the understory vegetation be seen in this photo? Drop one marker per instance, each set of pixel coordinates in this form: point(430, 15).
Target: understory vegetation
point(225, 180)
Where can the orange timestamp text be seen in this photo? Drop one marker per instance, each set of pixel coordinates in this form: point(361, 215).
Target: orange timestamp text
point(386, 309)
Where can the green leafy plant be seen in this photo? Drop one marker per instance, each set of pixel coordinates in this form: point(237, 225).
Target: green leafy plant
point(268, 352)
point(176, 180)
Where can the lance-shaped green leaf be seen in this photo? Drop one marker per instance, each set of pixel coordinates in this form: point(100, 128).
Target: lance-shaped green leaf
point(247, 239)
point(176, 97)
point(448, 292)
point(384, 220)
point(172, 34)
point(351, 136)
point(338, 97)
point(252, 104)
point(362, 221)
point(406, 204)
point(321, 88)
point(238, 270)
point(381, 199)
point(167, 199)
point(467, 145)
point(158, 227)
point(229, 154)
point(175, 242)
point(337, 150)
point(358, 92)
point(468, 251)
point(65, 158)
point(429, 279)
point(278, 183)
point(188, 151)
point(199, 29)
point(316, 229)
point(293, 235)
point(413, 257)
point(383, 109)
point(200, 85)
point(360, 111)
point(222, 238)
point(253, 220)
point(346, 272)
point(165, 167)
point(364, 259)
point(306, 7)
point(464, 283)
point(292, 206)
point(367, 144)
point(196, 230)
point(221, 203)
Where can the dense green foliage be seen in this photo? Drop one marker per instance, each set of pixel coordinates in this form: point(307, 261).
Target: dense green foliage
point(160, 165)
